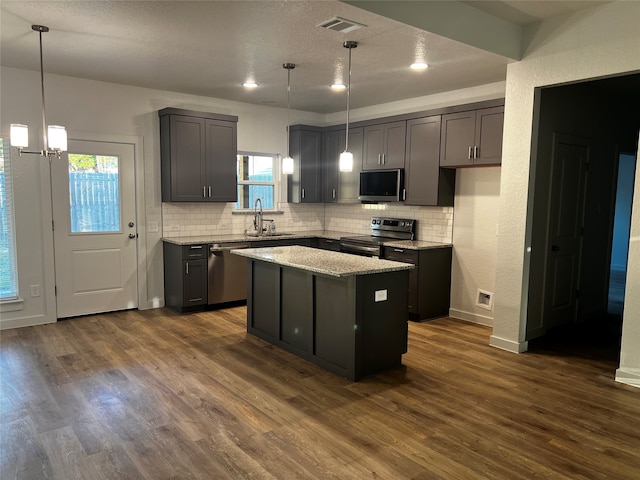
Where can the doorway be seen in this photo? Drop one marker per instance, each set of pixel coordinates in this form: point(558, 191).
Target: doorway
point(621, 233)
point(95, 228)
point(606, 113)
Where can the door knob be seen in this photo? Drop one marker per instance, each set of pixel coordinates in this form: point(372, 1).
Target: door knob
point(132, 235)
point(555, 248)
point(131, 224)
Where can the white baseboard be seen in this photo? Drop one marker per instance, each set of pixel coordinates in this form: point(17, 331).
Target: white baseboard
point(25, 322)
point(471, 317)
point(628, 378)
point(509, 345)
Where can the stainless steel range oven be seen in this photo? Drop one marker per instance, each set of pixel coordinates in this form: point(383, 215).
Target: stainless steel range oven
point(382, 230)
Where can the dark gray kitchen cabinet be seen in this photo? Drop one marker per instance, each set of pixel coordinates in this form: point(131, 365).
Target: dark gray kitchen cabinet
point(341, 187)
point(472, 138)
point(425, 182)
point(326, 244)
point(185, 277)
point(429, 281)
point(384, 146)
point(281, 242)
point(305, 147)
point(198, 156)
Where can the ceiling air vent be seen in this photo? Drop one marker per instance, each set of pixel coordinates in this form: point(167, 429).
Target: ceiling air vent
point(341, 25)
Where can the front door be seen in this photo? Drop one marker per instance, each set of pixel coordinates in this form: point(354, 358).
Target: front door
point(568, 186)
point(93, 190)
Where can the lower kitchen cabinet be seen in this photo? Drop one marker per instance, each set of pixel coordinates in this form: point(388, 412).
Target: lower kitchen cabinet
point(282, 242)
point(326, 244)
point(429, 282)
point(185, 277)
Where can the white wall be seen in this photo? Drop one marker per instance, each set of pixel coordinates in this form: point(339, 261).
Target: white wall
point(601, 41)
point(475, 239)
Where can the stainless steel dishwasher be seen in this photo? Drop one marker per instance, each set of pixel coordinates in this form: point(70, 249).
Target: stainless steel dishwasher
point(227, 273)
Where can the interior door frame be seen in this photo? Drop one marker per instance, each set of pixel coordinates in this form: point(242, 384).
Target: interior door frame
point(140, 209)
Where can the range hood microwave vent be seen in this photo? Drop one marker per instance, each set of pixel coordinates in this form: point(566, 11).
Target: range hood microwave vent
point(340, 24)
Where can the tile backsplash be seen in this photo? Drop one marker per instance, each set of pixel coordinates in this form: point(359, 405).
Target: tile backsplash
point(434, 224)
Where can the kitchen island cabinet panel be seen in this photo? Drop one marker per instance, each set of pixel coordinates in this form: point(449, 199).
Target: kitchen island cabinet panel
point(332, 335)
point(297, 316)
point(265, 300)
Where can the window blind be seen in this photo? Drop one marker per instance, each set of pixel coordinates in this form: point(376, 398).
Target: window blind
point(8, 261)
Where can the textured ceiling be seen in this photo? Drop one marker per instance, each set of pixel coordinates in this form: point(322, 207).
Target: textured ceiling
point(210, 47)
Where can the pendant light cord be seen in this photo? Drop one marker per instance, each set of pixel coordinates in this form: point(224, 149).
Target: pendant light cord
point(288, 111)
point(350, 45)
point(44, 117)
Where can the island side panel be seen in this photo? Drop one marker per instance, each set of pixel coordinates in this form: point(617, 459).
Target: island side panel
point(382, 317)
point(264, 304)
point(297, 310)
point(334, 329)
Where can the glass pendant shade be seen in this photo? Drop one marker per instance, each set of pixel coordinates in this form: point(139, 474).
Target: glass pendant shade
point(57, 136)
point(346, 161)
point(287, 165)
point(19, 135)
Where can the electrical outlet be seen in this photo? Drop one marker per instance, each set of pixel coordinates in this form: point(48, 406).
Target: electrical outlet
point(153, 227)
point(35, 290)
point(175, 228)
point(380, 295)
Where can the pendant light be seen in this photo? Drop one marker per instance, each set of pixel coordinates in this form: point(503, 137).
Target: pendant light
point(287, 162)
point(54, 136)
point(346, 158)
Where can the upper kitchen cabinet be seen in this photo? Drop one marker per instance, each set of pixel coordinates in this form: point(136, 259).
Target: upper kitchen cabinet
point(305, 147)
point(198, 156)
point(472, 138)
point(425, 182)
point(384, 145)
point(341, 187)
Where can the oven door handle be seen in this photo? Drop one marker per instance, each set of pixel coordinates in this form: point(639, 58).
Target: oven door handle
point(360, 248)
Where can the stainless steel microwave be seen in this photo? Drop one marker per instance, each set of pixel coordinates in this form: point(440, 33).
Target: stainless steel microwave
point(382, 185)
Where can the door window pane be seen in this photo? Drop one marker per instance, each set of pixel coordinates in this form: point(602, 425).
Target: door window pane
point(94, 193)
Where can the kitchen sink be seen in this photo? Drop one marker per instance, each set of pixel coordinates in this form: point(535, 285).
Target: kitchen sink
point(267, 235)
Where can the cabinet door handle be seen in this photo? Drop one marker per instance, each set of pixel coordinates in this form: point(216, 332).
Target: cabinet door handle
point(399, 250)
point(195, 247)
point(383, 159)
point(209, 190)
point(334, 193)
point(404, 194)
point(379, 159)
point(469, 154)
point(475, 151)
point(186, 268)
point(303, 193)
point(204, 191)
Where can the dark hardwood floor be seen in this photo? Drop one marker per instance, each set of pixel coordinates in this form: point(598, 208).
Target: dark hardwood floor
point(155, 395)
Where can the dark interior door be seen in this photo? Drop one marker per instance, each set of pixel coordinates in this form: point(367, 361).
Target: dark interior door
point(566, 215)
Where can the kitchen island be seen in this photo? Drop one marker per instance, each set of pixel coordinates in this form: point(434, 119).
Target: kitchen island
point(345, 313)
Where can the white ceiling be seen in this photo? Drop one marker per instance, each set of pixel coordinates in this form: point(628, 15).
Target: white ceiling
point(210, 47)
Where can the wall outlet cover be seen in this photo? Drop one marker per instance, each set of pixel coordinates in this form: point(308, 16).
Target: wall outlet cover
point(381, 295)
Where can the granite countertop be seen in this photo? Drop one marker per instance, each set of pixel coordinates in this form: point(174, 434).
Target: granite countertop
point(239, 237)
point(325, 262)
point(331, 235)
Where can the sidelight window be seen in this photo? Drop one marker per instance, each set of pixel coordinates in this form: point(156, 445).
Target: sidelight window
point(8, 259)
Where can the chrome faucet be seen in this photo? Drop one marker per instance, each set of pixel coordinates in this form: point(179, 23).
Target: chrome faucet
point(257, 216)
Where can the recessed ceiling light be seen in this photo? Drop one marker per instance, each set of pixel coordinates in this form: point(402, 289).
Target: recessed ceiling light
point(419, 66)
point(249, 84)
point(338, 86)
